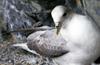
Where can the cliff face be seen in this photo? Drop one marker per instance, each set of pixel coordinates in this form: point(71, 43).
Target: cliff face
point(1, 17)
point(1, 6)
point(22, 14)
point(93, 8)
point(1, 9)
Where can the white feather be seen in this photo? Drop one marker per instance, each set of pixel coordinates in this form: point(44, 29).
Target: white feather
point(82, 36)
point(25, 47)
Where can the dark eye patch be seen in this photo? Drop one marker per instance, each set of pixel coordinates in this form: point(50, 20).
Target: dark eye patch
point(64, 14)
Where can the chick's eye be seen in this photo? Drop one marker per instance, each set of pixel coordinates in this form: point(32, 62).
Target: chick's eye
point(64, 14)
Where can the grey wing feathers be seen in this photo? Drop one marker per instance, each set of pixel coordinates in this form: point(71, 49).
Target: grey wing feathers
point(48, 44)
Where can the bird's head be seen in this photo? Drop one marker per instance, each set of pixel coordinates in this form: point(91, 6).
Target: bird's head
point(58, 14)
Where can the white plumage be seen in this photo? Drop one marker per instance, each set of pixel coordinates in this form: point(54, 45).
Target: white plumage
point(82, 36)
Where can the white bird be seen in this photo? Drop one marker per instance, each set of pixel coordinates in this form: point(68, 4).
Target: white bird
point(82, 36)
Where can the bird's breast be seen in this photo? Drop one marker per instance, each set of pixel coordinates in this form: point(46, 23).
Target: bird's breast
point(76, 27)
point(80, 30)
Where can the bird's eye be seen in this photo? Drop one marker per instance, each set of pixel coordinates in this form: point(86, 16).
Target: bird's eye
point(64, 14)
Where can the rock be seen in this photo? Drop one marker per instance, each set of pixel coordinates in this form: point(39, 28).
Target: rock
point(93, 8)
point(16, 56)
point(22, 14)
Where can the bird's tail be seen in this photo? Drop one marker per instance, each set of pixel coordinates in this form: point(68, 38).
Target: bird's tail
point(20, 45)
point(25, 47)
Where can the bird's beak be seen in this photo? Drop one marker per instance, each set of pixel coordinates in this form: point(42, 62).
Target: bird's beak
point(58, 27)
point(58, 30)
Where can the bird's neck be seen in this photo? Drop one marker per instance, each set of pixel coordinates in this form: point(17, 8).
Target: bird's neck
point(75, 19)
